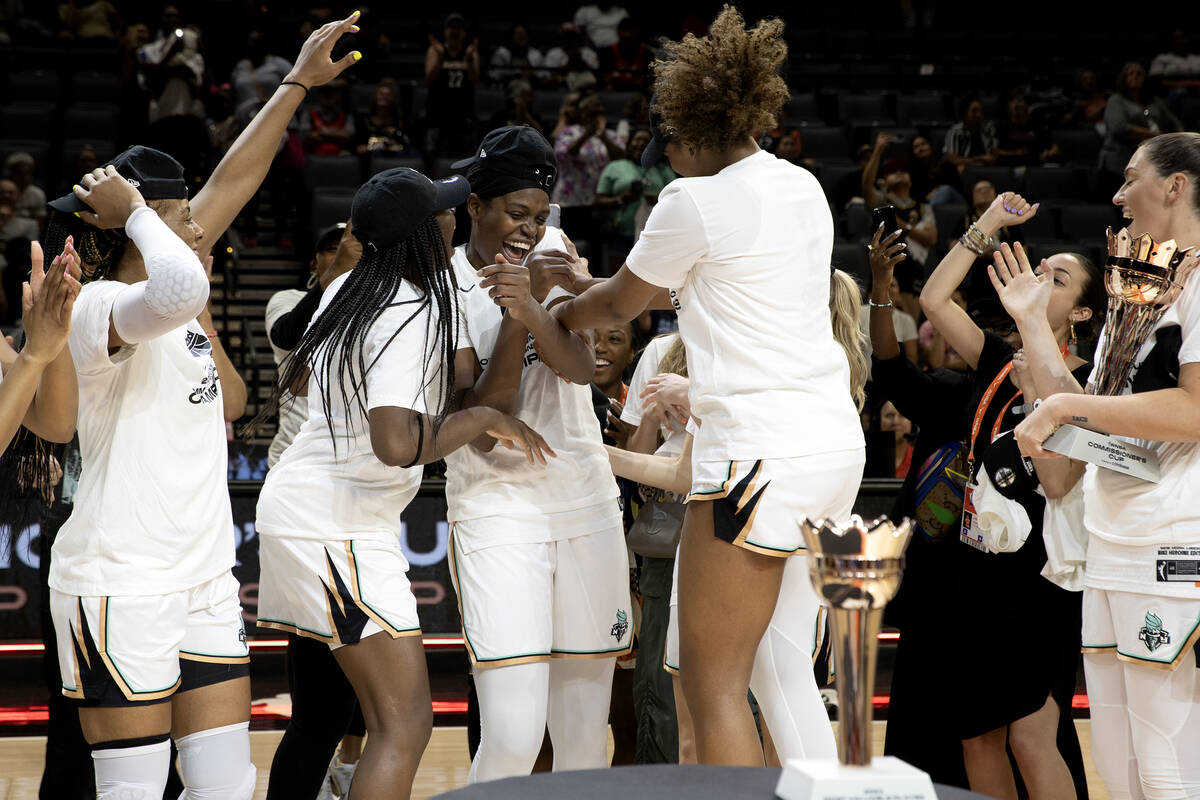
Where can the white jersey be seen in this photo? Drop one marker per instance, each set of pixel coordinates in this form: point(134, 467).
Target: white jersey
point(152, 513)
point(674, 436)
point(333, 487)
point(747, 255)
point(1130, 520)
point(292, 410)
point(501, 483)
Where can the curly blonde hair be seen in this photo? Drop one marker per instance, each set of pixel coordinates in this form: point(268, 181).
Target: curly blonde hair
point(715, 90)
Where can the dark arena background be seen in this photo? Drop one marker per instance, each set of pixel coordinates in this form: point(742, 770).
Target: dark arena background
point(77, 88)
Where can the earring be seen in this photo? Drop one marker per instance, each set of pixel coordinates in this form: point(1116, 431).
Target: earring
point(1074, 340)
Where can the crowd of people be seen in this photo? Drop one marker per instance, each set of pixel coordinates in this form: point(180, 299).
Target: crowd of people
point(632, 428)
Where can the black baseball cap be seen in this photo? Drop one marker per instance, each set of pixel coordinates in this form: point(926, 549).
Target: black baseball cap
point(393, 203)
point(1011, 473)
point(989, 313)
point(657, 148)
point(156, 175)
point(329, 238)
point(454, 18)
point(509, 159)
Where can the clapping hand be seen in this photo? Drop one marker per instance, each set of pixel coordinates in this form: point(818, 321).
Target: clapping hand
point(47, 299)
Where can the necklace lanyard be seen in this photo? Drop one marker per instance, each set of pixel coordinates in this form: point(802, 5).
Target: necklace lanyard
point(984, 403)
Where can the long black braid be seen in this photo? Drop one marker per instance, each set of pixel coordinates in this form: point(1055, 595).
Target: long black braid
point(335, 339)
point(100, 250)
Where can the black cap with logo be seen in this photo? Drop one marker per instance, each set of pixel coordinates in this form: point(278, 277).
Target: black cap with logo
point(156, 175)
point(393, 203)
point(509, 159)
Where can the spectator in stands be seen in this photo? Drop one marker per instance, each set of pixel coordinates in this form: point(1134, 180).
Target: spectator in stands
point(568, 114)
point(256, 76)
point(583, 151)
point(518, 108)
point(12, 224)
point(18, 168)
point(624, 186)
point(86, 21)
point(636, 114)
point(172, 70)
point(626, 63)
point(1179, 61)
point(934, 178)
point(327, 130)
point(905, 324)
point(452, 72)
point(600, 21)
point(1020, 141)
point(914, 214)
point(1131, 117)
point(972, 140)
point(573, 62)
point(790, 147)
point(893, 422)
point(1089, 101)
point(381, 129)
point(516, 58)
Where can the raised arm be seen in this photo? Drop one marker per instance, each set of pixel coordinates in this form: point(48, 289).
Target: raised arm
point(959, 330)
point(242, 170)
point(54, 409)
point(871, 194)
point(884, 253)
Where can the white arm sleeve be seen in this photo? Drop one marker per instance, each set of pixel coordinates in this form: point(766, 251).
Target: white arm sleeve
point(175, 290)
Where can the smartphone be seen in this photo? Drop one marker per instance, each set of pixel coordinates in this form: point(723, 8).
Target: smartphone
point(887, 216)
point(554, 220)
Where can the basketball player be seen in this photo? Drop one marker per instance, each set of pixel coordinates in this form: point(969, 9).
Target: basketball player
point(537, 556)
point(743, 241)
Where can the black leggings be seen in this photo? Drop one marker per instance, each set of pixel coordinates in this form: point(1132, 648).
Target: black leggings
point(324, 709)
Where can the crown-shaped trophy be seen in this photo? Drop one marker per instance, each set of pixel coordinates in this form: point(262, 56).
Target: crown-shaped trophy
point(1143, 279)
point(855, 569)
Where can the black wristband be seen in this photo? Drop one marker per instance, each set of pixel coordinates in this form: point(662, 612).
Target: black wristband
point(294, 83)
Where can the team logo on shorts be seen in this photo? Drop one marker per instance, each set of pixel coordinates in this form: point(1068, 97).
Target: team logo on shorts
point(1152, 633)
point(620, 626)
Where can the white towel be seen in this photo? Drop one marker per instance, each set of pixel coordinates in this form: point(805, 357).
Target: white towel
point(1004, 523)
point(1066, 540)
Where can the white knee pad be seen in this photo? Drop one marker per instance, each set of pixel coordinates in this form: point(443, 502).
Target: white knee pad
point(133, 769)
point(215, 764)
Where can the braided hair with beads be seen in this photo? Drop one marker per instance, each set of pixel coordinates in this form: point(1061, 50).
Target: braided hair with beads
point(335, 339)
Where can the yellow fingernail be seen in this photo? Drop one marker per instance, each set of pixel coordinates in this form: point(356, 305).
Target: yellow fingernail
point(76, 186)
point(354, 29)
point(76, 213)
point(357, 55)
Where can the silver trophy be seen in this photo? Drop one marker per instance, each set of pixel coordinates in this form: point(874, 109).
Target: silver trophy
point(855, 569)
point(1143, 279)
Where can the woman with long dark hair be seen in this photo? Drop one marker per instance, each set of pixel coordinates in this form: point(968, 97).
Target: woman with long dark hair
point(377, 362)
point(145, 608)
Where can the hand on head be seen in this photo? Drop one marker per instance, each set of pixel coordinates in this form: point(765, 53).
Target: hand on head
point(111, 198)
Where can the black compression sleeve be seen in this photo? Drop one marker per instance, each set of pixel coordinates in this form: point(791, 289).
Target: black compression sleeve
point(288, 329)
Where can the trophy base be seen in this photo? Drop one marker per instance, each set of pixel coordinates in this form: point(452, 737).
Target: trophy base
point(888, 778)
point(1104, 451)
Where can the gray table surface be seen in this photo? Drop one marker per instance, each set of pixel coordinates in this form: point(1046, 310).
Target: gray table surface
point(654, 782)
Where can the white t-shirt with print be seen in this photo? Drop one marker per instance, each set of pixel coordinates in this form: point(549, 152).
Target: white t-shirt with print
point(648, 367)
point(323, 490)
point(501, 483)
point(1124, 514)
point(747, 253)
point(152, 513)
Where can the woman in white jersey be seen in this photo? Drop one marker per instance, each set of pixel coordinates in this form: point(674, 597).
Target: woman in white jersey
point(537, 555)
point(145, 609)
point(1141, 602)
point(743, 243)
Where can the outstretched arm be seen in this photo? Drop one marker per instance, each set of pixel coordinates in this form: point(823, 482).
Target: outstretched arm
point(959, 330)
point(673, 473)
point(242, 170)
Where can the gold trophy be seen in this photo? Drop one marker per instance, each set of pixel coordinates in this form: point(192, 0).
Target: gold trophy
point(1143, 278)
point(855, 569)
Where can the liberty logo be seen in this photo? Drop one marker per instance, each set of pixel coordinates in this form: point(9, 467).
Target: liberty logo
point(1152, 633)
point(621, 626)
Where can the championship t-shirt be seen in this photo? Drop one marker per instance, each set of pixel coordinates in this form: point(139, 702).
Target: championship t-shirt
point(746, 253)
point(502, 483)
point(331, 486)
point(152, 513)
point(1136, 524)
